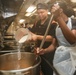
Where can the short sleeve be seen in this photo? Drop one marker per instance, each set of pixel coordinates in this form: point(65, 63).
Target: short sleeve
point(53, 29)
point(73, 24)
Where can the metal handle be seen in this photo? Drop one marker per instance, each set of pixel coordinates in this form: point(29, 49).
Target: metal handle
point(51, 18)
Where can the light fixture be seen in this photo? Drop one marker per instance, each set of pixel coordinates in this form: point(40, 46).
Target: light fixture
point(31, 8)
point(34, 11)
point(27, 14)
point(30, 13)
point(21, 21)
point(74, 1)
point(74, 9)
point(49, 13)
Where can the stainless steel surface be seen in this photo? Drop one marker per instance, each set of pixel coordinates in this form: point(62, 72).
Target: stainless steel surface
point(13, 64)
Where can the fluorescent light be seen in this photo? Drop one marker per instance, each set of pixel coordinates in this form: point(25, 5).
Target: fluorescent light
point(34, 11)
point(73, 1)
point(30, 14)
point(74, 9)
point(31, 9)
point(27, 14)
point(21, 20)
point(49, 13)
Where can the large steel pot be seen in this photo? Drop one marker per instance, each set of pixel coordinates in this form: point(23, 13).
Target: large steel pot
point(23, 63)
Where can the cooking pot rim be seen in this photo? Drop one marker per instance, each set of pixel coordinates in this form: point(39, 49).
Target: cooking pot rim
point(20, 70)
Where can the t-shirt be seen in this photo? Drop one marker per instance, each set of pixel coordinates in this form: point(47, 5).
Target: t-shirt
point(40, 30)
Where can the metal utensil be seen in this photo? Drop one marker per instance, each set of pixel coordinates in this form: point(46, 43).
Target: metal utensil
point(42, 43)
point(49, 24)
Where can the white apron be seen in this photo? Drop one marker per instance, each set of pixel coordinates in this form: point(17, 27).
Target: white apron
point(60, 37)
point(65, 55)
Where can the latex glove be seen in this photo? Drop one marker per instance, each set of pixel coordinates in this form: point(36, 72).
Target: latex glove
point(40, 51)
